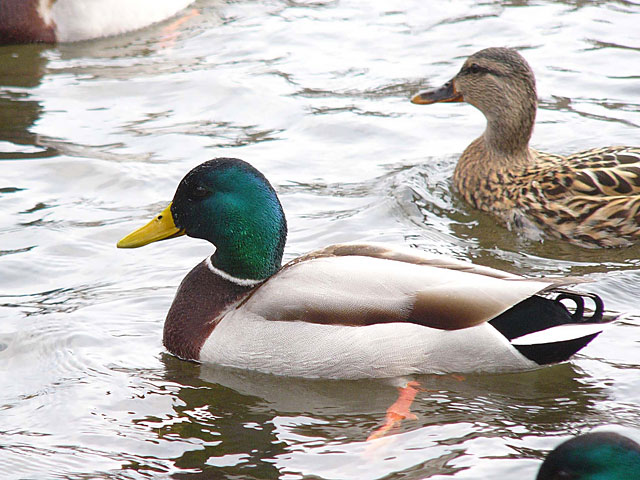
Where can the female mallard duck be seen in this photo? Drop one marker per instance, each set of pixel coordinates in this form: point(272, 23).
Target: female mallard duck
point(50, 21)
point(590, 198)
point(593, 456)
point(346, 311)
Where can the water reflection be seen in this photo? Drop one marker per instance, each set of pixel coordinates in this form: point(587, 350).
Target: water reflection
point(216, 424)
point(426, 198)
point(86, 392)
point(59, 300)
point(21, 69)
point(237, 422)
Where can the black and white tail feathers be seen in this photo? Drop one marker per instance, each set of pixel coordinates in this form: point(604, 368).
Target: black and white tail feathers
point(545, 331)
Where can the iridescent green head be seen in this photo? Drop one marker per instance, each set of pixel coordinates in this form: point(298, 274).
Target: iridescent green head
point(593, 456)
point(232, 205)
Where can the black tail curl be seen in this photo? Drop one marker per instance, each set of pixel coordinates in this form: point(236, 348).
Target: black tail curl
point(539, 313)
point(578, 313)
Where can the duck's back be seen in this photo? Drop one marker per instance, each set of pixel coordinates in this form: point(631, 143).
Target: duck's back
point(590, 198)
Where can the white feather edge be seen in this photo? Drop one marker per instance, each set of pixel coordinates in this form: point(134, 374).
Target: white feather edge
point(560, 333)
point(437, 260)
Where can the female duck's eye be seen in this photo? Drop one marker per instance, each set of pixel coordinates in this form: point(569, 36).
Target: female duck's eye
point(474, 68)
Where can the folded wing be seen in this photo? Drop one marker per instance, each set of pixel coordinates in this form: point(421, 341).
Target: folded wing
point(349, 285)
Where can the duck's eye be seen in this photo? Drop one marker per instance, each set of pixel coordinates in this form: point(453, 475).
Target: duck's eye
point(199, 192)
point(474, 68)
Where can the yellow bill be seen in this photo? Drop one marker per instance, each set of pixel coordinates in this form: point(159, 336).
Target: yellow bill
point(160, 228)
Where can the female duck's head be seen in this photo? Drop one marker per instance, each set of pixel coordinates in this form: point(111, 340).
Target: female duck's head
point(499, 83)
point(232, 205)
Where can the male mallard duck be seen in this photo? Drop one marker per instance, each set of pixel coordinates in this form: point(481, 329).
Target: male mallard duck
point(591, 198)
point(50, 21)
point(593, 456)
point(346, 311)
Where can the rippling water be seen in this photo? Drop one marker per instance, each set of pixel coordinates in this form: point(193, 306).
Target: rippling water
point(94, 138)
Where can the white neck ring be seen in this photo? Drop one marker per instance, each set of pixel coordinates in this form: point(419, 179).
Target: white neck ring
point(245, 282)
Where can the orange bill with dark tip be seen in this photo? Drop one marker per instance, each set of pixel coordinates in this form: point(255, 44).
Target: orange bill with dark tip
point(446, 93)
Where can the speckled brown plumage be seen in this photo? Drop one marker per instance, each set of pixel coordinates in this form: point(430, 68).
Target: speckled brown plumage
point(591, 198)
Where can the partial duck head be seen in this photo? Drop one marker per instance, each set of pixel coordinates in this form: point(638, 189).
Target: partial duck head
point(232, 205)
point(593, 456)
point(26, 21)
point(501, 84)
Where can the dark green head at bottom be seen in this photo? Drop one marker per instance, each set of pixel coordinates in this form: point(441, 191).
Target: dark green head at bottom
point(593, 456)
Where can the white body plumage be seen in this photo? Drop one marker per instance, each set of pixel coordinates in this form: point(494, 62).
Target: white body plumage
point(86, 19)
point(249, 337)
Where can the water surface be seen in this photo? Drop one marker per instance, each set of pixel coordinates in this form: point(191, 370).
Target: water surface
point(94, 137)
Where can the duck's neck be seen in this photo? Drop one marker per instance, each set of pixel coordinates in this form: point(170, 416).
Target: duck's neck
point(251, 253)
point(502, 149)
point(510, 125)
point(242, 262)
